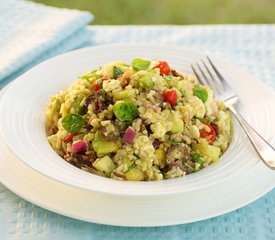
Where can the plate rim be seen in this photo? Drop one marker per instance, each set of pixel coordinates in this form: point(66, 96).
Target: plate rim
point(60, 209)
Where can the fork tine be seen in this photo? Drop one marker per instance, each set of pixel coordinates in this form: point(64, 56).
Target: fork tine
point(197, 75)
point(207, 80)
point(224, 83)
point(217, 89)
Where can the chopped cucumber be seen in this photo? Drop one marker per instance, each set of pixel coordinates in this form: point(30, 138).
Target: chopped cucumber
point(104, 165)
point(125, 94)
point(178, 125)
point(210, 151)
point(113, 70)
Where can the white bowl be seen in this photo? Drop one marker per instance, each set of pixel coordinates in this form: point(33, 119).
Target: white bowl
point(31, 168)
point(23, 127)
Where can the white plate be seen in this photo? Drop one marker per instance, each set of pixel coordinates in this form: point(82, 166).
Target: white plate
point(132, 211)
point(126, 203)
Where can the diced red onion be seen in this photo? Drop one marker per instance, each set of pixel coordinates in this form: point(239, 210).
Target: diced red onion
point(179, 165)
point(90, 119)
point(156, 143)
point(129, 135)
point(190, 163)
point(79, 146)
point(119, 175)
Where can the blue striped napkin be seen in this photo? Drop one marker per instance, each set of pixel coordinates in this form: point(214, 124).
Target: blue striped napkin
point(30, 31)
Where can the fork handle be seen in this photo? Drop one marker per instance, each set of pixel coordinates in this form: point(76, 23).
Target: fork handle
point(265, 151)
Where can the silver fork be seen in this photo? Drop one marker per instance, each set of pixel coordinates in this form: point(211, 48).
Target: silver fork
point(208, 74)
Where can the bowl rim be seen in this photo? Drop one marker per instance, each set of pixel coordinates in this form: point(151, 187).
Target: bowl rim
point(150, 185)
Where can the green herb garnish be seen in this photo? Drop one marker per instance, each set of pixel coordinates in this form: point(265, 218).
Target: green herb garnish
point(133, 165)
point(103, 93)
point(189, 167)
point(125, 111)
point(140, 64)
point(73, 122)
point(201, 93)
point(91, 74)
point(197, 158)
point(117, 72)
point(168, 78)
point(174, 142)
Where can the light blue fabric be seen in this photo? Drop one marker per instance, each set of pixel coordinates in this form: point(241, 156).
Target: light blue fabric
point(28, 30)
point(78, 39)
point(251, 47)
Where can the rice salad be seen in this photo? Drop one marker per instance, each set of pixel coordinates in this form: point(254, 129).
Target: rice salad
point(139, 122)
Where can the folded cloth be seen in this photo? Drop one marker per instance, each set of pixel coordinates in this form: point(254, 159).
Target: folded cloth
point(29, 30)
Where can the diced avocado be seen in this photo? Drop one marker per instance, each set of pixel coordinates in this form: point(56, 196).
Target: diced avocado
point(76, 106)
point(177, 123)
point(104, 165)
point(135, 174)
point(146, 81)
point(210, 151)
point(125, 94)
point(103, 147)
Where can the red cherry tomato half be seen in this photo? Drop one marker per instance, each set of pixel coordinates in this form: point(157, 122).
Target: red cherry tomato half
point(96, 86)
point(68, 138)
point(163, 68)
point(209, 134)
point(170, 96)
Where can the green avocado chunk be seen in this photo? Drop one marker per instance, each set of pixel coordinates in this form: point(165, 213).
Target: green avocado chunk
point(146, 82)
point(210, 151)
point(103, 147)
